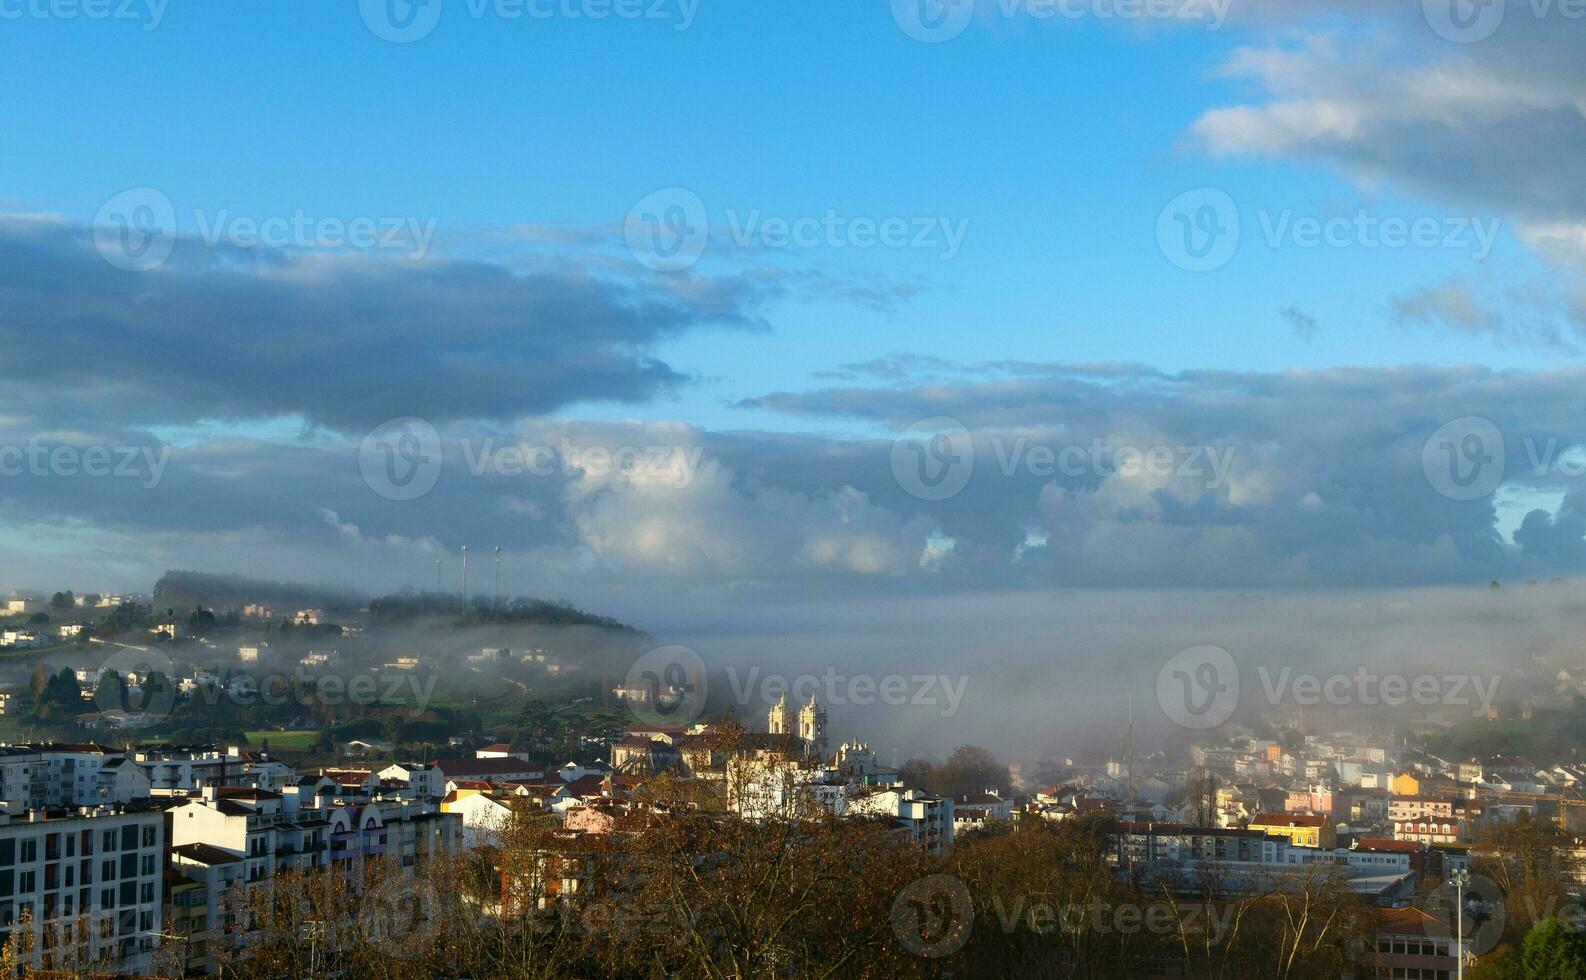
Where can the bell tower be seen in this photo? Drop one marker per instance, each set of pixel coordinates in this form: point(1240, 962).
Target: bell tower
point(780, 720)
point(812, 728)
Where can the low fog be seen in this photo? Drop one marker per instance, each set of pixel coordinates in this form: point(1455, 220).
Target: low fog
point(1051, 675)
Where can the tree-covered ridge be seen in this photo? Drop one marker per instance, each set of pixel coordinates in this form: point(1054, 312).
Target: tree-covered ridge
point(178, 589)
point(410, 606)
point(182, 589)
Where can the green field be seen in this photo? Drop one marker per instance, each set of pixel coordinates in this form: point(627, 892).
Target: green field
point(282, 741)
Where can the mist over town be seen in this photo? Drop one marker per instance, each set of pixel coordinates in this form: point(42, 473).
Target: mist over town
point(661, 488)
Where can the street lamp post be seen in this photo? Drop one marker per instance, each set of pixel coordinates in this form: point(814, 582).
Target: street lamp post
point(1461, 879)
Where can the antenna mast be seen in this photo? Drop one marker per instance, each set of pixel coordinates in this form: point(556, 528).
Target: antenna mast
point(1128, 748)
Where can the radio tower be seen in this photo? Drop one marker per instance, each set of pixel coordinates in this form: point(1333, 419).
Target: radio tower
point(1128, 748)
point(495, 595)
point(465, 578)
point(437, 576)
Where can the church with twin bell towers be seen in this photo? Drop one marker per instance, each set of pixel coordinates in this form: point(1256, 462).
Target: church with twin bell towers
point(811, 729)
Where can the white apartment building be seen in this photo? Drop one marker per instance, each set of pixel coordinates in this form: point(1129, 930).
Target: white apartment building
point(187, 769)
point(56, 775)
point(90, 879)
point(232, 839)
point(423, 781)
point(773, 788)
point(927, 818)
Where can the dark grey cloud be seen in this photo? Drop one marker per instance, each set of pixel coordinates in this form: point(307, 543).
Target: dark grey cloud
point(1561, 536)
point(343, 340)
point(1320, 480)
point(1327, 483)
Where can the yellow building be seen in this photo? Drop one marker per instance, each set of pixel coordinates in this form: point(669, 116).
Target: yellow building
point(1405, 784)
point(1302, 830)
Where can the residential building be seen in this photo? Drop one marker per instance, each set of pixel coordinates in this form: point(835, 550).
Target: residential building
point(90, 879)
point(925, 818)
point(422, 781)
point(65, 775)
point(1301, 830)
point(1409, 942)
point(495, 769)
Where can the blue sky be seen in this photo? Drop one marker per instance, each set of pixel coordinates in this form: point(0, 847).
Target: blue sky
point(1054, 145)
point(1058, 142)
